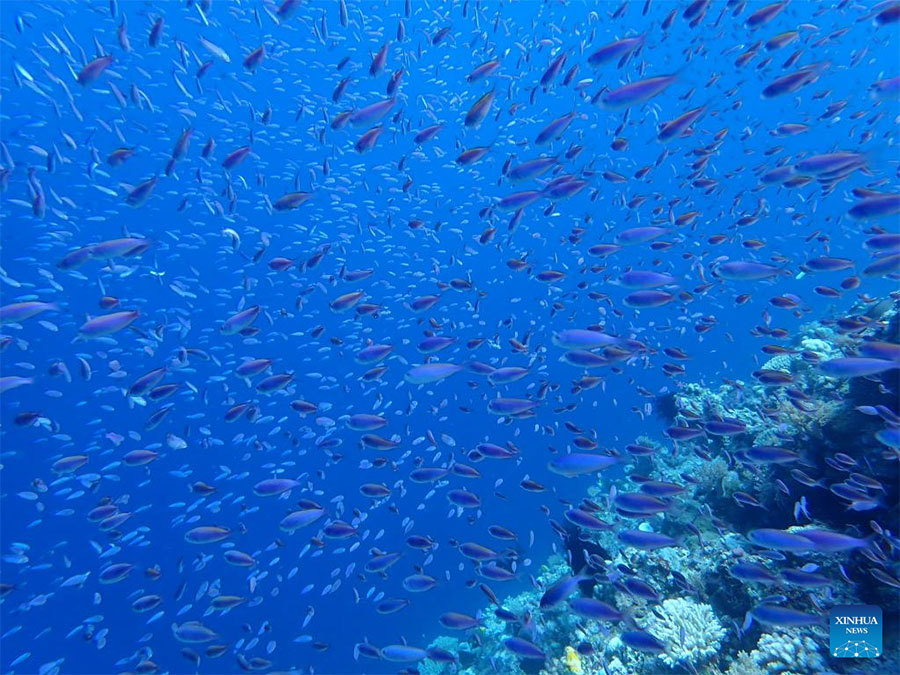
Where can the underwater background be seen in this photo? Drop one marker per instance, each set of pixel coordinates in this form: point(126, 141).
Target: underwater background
point(512, 337)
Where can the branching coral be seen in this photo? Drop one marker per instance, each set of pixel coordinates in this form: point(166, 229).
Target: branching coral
point(689, 629)
point(744, 664)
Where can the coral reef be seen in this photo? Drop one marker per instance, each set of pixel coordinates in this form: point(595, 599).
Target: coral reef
point(685, 593)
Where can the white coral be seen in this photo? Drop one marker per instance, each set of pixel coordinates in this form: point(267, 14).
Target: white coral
point(825, 350)
point(787, 652)
point(690, 631)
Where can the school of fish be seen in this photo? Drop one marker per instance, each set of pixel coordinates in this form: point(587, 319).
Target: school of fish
point(329, 308)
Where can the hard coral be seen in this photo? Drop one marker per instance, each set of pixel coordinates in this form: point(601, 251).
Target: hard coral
point(788, 653)
point(689, 629)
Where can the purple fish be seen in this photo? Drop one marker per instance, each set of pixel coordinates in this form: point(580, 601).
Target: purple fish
point(555, 129)
point(519, 200)
point(372, 113)
point(403, 653)
point(479, 110)
point(883, 265)
point(472, 155)
point(20, 311)
point(745, 270)
point(531, 169)
point(156, 31)
point(553, 69)
point(773, 615)
point(564, 187)
point(780, 540)
point(683, 433)
point(830, 163)
point(767, 454)
point(125, 247)
point(458, 621)
point(724, 427)
point(646, 541)
point(660, 488)
point(340, 89)
point(302, 518)
point(382, 561)
point(648, 299)
point(240, 321)
point(639, 235)
point(146, 382)
point(272, 487)
point(636, 92)
point(577, 464)
point(603, 250)
point(379, 60)
point(207, 534)
point(749, 571)
point(888, 88)
point(880, 206)
point(431, 372)
point(638, 503)
point(645, 279)
point(524, 648)
point(507, 375)
point(791, 82)
point(291, 201)
point(373, 353)
point(464, 499)
point(108, 324)
point(477, 552)
point(274, 383)
point(427, 133)
point(594, 609)
point(829, 264)
point(586, 520)
point(236, 157)
point(10, 382)
point(560, 590)
point(428, 474)
point(680, 125)
point(576, 338)
point(856, 366)
point(338, 529)
point(486, 69)
point(764, 15)
point(141, 193)
point(368, 140)
point(93, 70)
point(880, 350)
point(827, 541)
point(511, 406)
point(617, 50)
point(642, 641)
point(805, 579)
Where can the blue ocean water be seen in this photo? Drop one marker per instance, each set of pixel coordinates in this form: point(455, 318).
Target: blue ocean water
point(807, 90)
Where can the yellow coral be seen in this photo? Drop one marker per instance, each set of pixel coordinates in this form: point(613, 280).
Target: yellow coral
point(573, 661)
